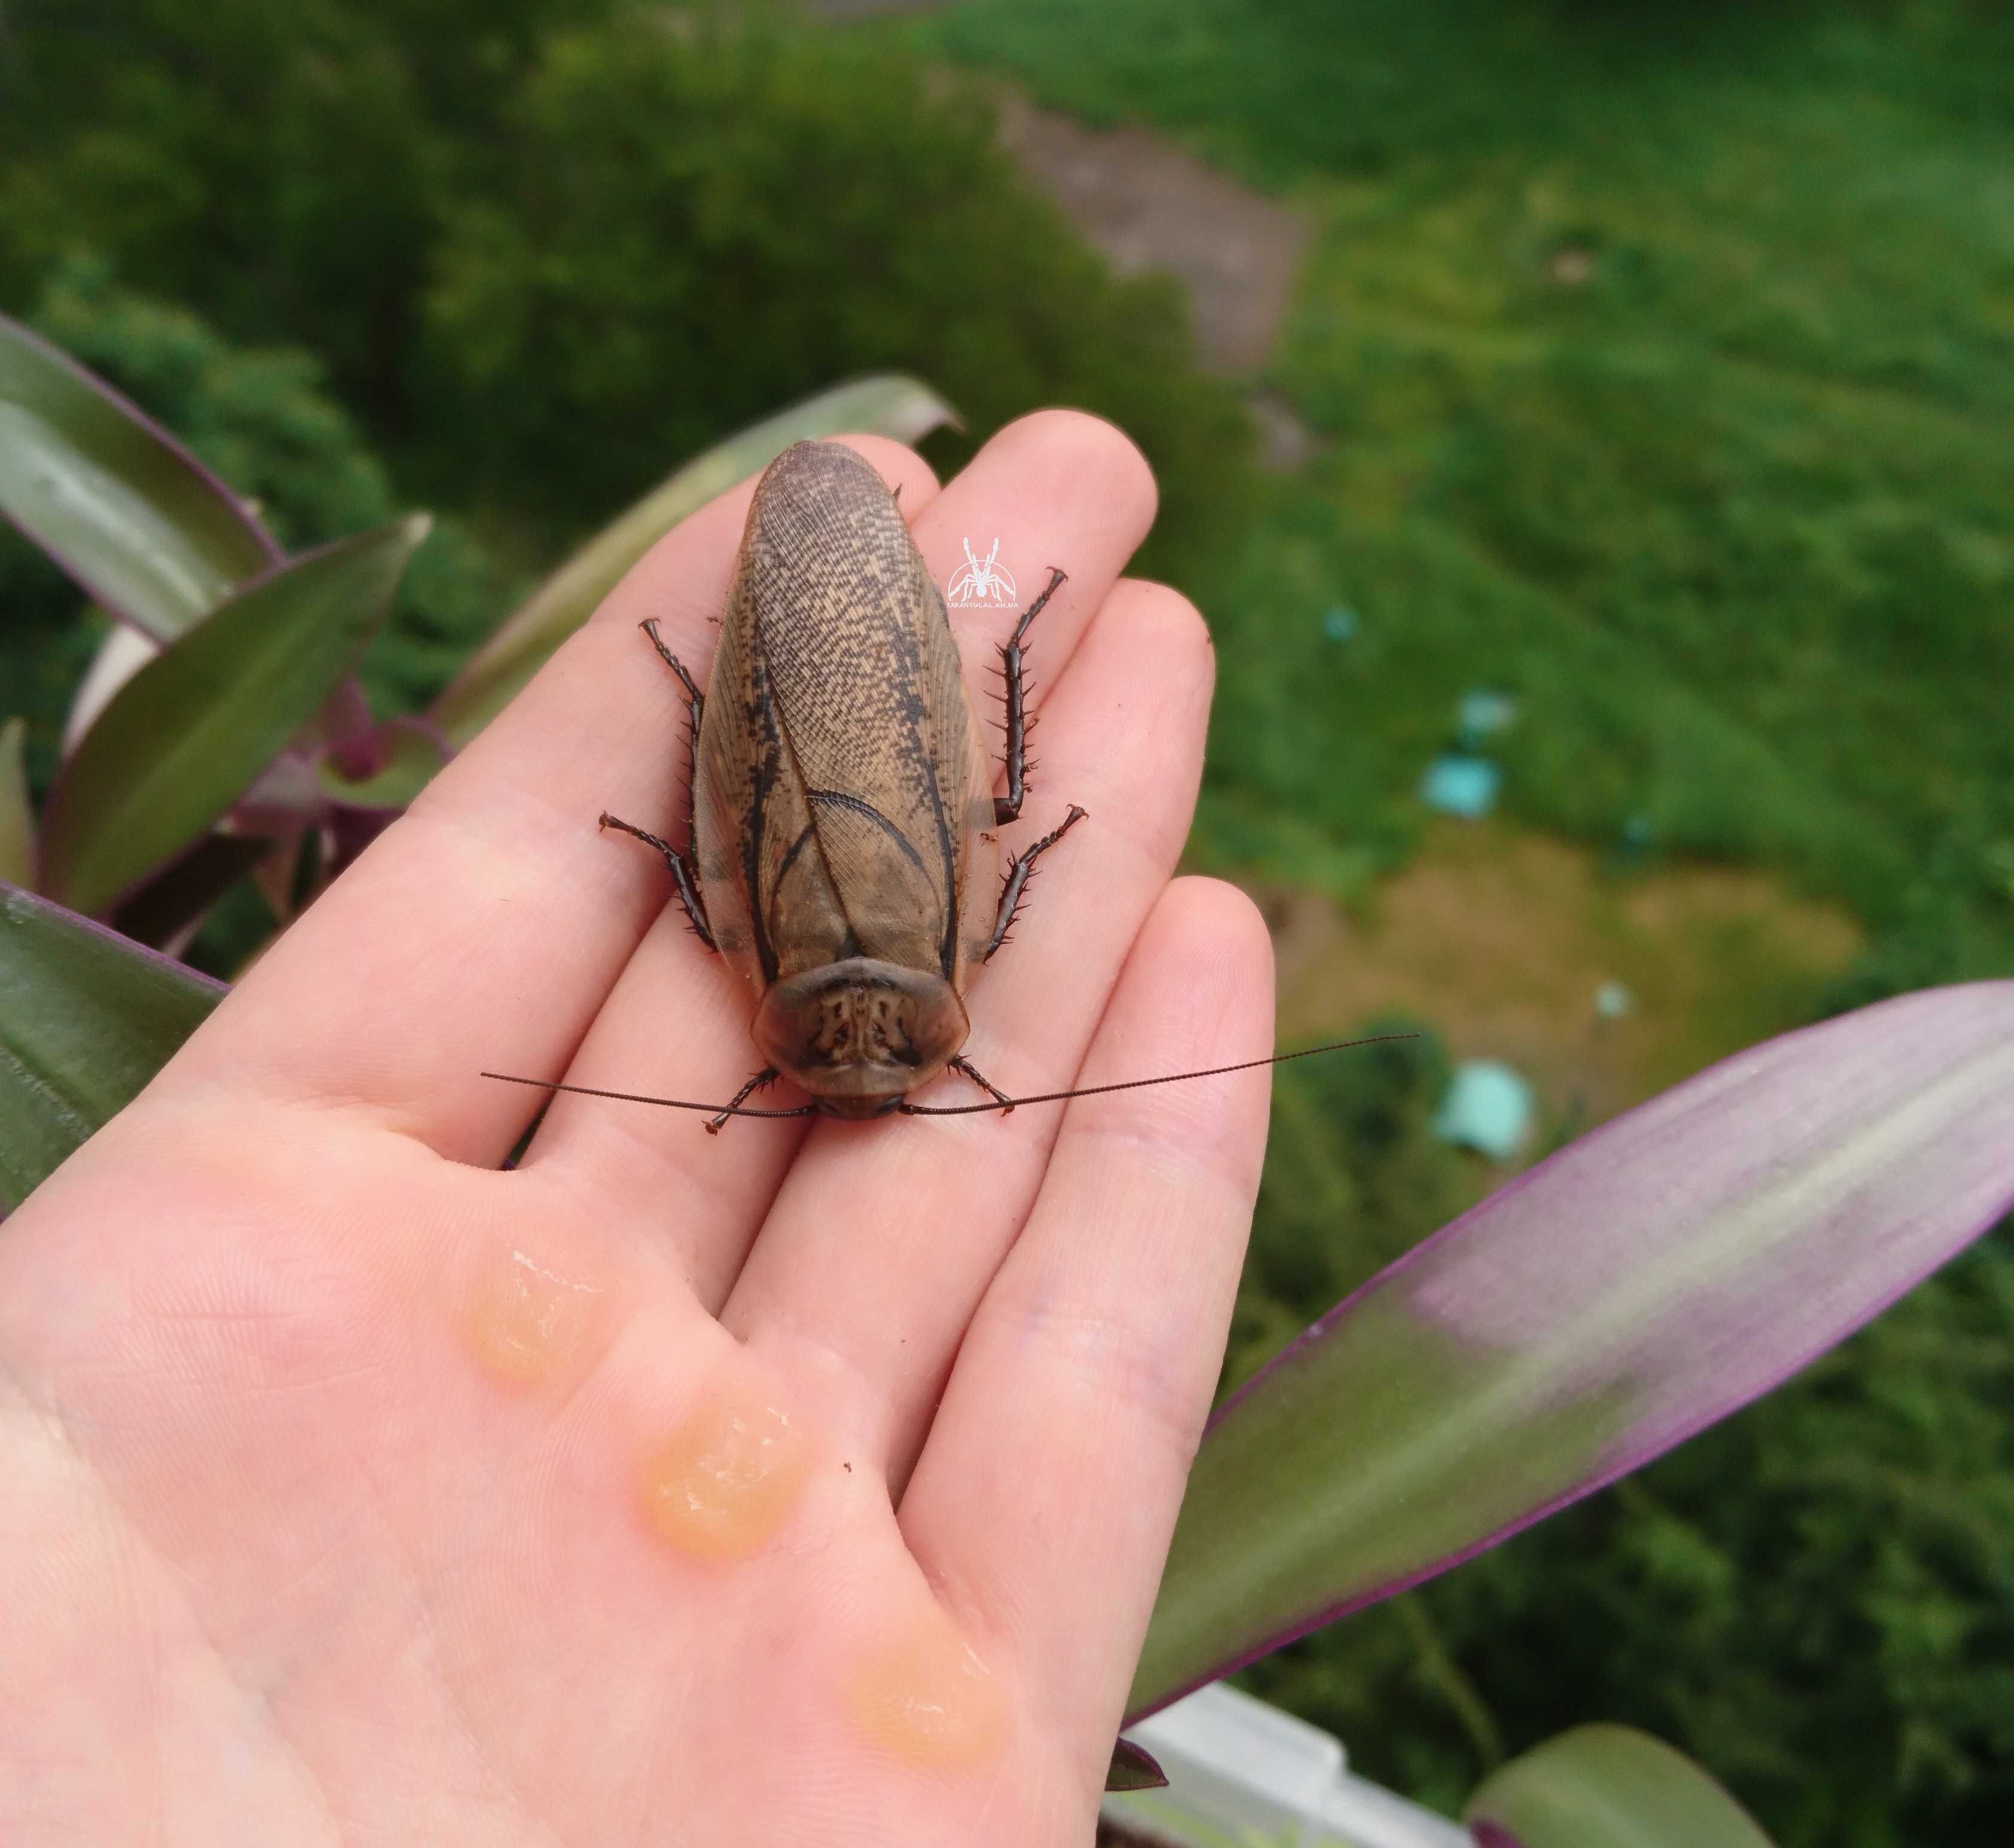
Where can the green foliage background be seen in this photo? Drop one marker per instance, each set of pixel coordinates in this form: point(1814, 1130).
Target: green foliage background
point(549, 249)
point(1731, 517)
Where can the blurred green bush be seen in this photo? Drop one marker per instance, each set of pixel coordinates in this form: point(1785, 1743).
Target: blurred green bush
point(549, 247)
point(687, 227)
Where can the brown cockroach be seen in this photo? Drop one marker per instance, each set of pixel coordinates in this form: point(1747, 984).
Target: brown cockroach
point(840, 848)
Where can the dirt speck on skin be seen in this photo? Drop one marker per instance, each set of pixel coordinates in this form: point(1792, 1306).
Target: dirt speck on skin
point(1500, 940)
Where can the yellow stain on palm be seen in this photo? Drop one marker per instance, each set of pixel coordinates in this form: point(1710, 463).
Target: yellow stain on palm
point(722, 1482)
point(924, 1695)
point(527, 1321)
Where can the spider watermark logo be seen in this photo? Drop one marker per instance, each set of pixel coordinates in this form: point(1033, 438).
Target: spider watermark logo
point(981, 584)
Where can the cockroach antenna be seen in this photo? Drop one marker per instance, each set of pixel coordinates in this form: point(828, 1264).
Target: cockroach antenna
point(900, 1106)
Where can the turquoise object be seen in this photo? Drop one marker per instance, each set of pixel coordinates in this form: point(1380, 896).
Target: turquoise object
point(1489, 1108)
point(1461, 785)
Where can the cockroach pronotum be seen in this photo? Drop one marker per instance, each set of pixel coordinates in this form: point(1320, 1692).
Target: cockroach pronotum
point(841, 850)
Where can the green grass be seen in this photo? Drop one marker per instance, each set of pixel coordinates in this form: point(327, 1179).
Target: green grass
point(1734, 516)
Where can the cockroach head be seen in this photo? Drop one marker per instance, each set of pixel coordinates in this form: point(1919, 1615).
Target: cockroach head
point(860, 1036)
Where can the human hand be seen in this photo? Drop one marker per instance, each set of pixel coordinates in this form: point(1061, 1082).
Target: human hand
point(807, 1484)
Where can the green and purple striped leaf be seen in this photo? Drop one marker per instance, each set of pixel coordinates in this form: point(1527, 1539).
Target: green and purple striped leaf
point(86, 1017)
point(1134, 1767)
point(127, 511)
point(1645, 1281)
point(1606, 1787)
point(188, 734)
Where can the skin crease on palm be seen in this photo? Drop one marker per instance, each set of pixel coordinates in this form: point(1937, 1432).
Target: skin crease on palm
point(805, 1485)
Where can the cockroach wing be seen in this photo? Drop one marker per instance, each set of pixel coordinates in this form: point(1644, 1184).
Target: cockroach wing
point(842, 786)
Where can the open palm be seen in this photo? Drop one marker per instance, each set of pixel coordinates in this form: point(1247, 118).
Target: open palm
point(807, 1484)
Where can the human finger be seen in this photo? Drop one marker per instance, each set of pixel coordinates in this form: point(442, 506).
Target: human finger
point(1042, 1502)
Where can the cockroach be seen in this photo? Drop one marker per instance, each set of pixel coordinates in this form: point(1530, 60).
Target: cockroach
point(841, 815)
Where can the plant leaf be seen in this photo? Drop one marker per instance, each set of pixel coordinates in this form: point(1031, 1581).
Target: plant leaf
point(409, 752)
point(176, 897)
point(121, 654)
point(17, 813)
point(1606, 1787)
point(182, 739)
point(1645, 1281)
point(888, 405)
point(113, 497)
point(86, 1018)
point(1134, 1767)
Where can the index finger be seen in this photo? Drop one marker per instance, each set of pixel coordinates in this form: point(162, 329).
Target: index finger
point(485, 927)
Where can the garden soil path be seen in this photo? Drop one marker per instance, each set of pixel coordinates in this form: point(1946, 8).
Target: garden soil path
point(1147, 204)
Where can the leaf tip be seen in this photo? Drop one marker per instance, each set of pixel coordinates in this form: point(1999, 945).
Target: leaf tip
point(1134, 1767)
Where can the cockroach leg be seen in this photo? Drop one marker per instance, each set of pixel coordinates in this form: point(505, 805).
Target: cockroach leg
point(695, 709)
point(1007, 807)
point(682, 874)
point(685, 874)
point(962, 1064)
point(1015, 888)
point(695, 698)
point(766, 1076)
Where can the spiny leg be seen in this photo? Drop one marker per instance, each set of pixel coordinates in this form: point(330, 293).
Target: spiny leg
point(695, 700)
point(1015, 888)
point(962, 1064)
point(682, 874)
point(1007, 807)
point(695, 711)
point(685, 874)
point(766, 1076)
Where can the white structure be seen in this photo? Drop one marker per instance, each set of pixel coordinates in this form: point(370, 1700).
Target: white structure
point(1243, 1774)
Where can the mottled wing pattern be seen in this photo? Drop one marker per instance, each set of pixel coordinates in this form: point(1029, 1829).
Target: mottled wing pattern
point(737, 772)
point(843, 782)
